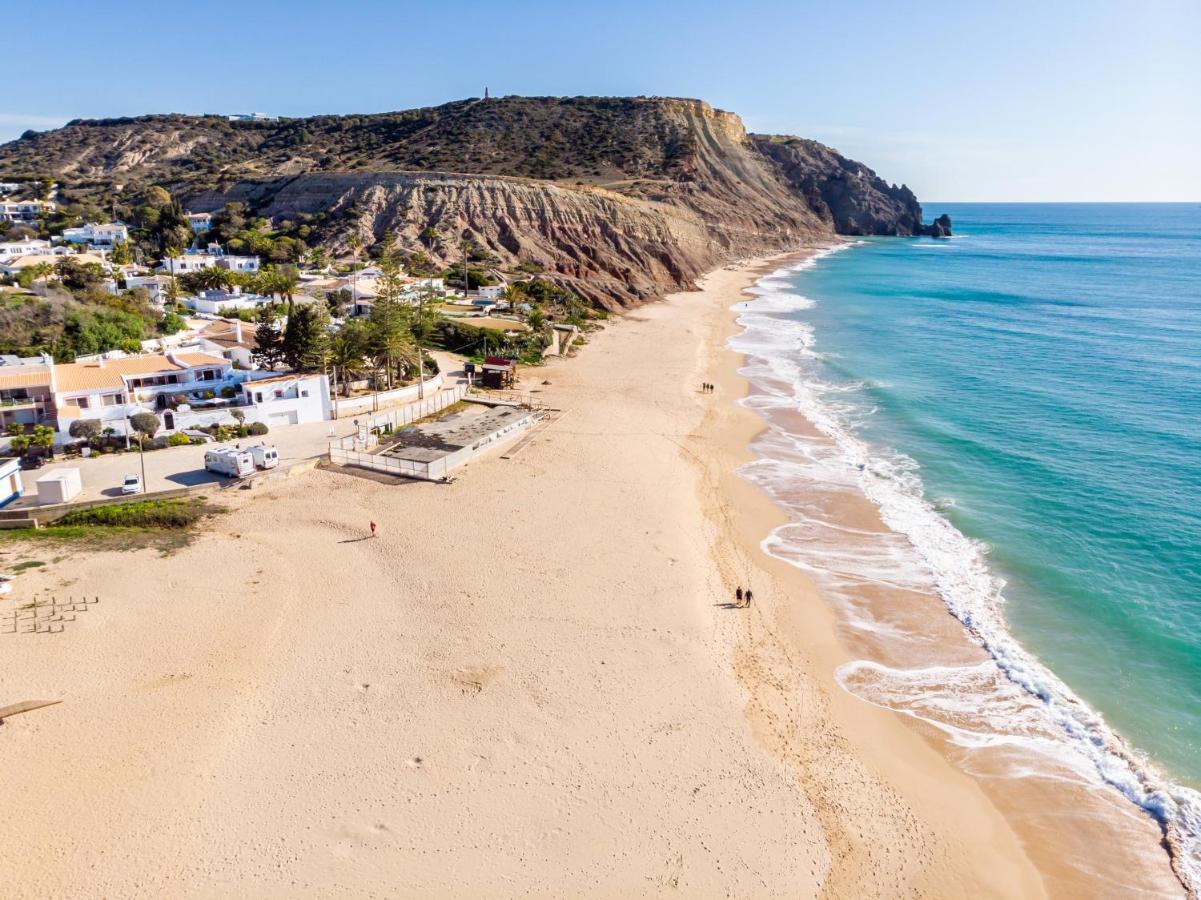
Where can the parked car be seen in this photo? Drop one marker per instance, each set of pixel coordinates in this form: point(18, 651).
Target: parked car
point(33, 462)
point(132, 485)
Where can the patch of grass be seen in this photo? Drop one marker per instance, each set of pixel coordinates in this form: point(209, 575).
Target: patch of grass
point(166, 525)
point(28, 564)
point(143, 514)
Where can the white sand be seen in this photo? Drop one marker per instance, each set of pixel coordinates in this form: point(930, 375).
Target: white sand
point(528, 685)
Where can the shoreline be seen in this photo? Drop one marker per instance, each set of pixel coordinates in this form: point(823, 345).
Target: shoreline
point(1045, 817)
point(532, 681)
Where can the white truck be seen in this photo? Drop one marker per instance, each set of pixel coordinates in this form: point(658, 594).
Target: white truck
point(229, 463)
point(265, 457)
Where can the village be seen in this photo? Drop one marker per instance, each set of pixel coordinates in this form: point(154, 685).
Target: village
point(325, 358)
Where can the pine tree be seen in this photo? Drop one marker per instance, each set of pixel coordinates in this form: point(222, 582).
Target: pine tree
point(305, 342)
point(391, 338)
point(270, 344)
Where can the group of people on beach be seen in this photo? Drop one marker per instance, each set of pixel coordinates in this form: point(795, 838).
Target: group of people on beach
point(742, 598)
point(706, 387)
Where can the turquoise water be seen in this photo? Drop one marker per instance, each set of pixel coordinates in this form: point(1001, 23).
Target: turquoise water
point(1044, 371)
point(1023, 403)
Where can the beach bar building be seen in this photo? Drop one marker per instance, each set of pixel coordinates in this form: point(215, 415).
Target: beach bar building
point(498, 372)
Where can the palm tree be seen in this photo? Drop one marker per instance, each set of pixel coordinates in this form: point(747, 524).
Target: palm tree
point(356, 244)
point(347, 352)
point(172, 253)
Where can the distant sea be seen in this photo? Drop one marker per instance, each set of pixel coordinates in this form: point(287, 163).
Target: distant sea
point(1023, 403)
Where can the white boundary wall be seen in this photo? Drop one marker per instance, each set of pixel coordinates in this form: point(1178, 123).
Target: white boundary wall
point(351, 451)
point(356, 406)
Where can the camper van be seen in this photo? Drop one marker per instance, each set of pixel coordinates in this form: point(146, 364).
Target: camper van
point(265, 457)
point(229, 463)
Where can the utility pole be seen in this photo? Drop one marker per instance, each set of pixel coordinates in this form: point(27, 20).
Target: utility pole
point(142, 454)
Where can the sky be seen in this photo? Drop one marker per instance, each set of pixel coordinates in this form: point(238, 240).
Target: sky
point(1057, 100)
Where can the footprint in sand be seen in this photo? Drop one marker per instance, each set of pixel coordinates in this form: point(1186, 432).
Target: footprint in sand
point(472, 680)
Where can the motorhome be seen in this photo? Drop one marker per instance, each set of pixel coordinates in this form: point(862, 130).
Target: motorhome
point(229, 462)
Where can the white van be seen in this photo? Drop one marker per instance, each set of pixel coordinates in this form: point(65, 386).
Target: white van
point(229, 463)
point(265, 457)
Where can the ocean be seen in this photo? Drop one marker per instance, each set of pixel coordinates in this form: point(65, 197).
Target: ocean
point(1022, 402)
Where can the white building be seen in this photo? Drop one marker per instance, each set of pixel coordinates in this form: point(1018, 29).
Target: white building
point(239, 263)
point(288, 399)
point(212, 302)
point(213, 256)
point(155, 285)
point(11, 486)
point(97, 235)
point(200, 222)
point(26, 210)
point(491, 292)
point(112, 390)
point(234, 340)
point(30, 247)
point(14, 265)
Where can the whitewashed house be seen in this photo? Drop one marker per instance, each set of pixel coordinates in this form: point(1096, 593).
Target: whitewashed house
point(104, 235)
point(156, 286)
point(30, 247)
point(212, 256)
point(200, 222)
point(287, 399)
point(112, 390)
point(26, 210)
point(214, 301)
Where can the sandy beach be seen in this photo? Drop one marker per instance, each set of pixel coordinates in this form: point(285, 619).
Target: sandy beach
point(532, 683)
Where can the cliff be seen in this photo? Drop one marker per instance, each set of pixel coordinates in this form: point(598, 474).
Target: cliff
point(625, 198)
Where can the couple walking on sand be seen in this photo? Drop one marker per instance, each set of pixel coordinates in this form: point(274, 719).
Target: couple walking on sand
point(706, 387)
point(741, 597)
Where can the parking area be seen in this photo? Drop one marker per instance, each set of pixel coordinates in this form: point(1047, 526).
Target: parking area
point(177, 467)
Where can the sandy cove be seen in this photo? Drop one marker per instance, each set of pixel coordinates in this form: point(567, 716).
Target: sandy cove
point(531, 684)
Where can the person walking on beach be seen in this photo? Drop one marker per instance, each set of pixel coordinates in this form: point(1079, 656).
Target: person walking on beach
point(748, 598)
point(373, 529)
point(738, 595)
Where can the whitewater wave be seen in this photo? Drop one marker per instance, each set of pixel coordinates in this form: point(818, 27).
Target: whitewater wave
point(1011, 701)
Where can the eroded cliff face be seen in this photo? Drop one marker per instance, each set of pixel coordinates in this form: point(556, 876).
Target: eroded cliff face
point(622, 198)
point(612, 249)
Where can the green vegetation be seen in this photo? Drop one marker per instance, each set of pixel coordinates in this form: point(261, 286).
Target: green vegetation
point(28, 564)
point(179, 514)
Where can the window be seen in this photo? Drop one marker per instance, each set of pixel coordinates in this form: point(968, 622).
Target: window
point(83, 402)
point(258, 397)
point(304, 393)
point(112, 399)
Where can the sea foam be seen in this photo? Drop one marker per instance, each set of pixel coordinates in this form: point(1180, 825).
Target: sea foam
point(1010, 703)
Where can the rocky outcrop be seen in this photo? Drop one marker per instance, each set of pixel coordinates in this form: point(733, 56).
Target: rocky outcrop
point(622, 198)
point(848, 195)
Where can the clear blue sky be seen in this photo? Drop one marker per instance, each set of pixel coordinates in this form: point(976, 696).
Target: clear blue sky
point(1050, 100)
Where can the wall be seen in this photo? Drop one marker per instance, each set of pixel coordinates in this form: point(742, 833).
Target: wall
point(357, 406)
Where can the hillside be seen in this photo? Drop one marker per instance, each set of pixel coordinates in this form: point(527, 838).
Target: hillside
point(623, 198)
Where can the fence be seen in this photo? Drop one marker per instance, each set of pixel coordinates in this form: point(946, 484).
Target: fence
point(352, 451)
point(356, 406)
